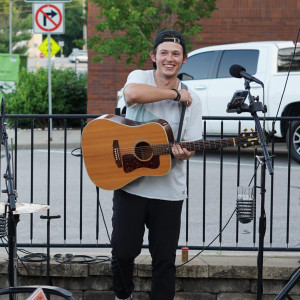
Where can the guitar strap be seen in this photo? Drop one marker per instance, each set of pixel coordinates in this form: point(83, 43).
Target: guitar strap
point(183, 86)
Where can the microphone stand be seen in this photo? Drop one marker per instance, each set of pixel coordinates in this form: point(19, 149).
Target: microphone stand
point(265, 162)
point(12, 219)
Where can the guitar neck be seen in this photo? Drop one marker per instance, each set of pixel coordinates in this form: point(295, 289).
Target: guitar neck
point(208, 144)
point(195, 146)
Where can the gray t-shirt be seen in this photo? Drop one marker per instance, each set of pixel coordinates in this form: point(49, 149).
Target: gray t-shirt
point(171, 186)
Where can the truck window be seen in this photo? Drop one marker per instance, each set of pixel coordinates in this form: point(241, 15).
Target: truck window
point(284, 60)
point(198, 66)
point(246, 58)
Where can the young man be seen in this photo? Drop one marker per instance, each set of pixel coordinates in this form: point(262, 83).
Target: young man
point(155, 201)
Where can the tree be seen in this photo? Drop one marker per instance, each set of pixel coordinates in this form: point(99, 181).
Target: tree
point(129, 26)
point(69, 94)
point(21, 25)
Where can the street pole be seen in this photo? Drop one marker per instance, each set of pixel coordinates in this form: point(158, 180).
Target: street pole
point(10, 27)
point(84, 25)
point(49, 84)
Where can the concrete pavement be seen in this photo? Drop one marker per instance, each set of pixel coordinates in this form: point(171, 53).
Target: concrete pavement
point(40, 138)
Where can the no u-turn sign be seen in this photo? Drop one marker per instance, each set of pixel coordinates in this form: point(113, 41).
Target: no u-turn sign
point(48, 18)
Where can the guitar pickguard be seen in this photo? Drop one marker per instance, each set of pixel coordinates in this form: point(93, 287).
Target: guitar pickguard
point(131, 163)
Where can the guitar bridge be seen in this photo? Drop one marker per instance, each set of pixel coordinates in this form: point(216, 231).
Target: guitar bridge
point(116, 152)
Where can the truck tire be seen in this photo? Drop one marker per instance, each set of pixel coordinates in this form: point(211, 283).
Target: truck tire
point(295, 140)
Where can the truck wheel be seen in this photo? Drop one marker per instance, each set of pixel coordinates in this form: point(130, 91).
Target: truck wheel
point(295, 140)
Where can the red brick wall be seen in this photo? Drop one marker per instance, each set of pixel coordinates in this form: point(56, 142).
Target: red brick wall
point(234, 21)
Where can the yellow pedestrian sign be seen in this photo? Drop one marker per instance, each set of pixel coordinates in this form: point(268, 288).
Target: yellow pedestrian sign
point(53, 45)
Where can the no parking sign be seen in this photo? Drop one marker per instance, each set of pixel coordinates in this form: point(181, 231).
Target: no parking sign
point(48, 18)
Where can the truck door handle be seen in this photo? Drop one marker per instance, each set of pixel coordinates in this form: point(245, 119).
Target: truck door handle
point(200, 87)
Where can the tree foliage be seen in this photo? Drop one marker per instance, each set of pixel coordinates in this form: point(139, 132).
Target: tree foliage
point(74, 20)
point(129, 26)
point(69, 93)
point(21, 25)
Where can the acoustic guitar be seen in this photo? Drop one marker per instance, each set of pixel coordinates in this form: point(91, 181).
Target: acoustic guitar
point(117, 150)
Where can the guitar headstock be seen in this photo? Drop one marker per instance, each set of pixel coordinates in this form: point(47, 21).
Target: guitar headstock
point(247, 139)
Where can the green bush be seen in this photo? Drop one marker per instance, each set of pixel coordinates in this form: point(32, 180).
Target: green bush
point(69, 95)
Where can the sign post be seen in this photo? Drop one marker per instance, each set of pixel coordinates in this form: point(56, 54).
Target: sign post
point(48, 18)
point(49, 86)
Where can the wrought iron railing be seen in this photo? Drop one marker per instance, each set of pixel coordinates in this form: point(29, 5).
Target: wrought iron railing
point(52, 172)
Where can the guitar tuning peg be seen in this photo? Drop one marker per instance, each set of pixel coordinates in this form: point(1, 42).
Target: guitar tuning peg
point(254, 147)
point(245, 130)
point(252, 130)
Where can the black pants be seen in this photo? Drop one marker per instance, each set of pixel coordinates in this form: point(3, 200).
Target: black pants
point(162, 218)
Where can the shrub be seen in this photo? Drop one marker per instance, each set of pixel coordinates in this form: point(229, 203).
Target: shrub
point(69, 95)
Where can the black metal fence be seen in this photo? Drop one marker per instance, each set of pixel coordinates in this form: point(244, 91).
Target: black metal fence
point(49, 170)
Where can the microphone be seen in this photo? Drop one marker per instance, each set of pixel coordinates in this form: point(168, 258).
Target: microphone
point(240, 72)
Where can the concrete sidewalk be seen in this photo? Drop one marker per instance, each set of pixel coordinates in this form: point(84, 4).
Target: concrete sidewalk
point(40, 138)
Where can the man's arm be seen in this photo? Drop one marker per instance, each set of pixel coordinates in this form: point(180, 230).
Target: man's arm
point(143, 93)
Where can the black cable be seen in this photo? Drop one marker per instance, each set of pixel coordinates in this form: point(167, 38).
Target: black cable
point(109, 238)
point(80, 259)
point(76, 154)
point(224, 227)
point(67, 259)
point(290, 67)
point(34, 257)
point(103, 218)
point(210, 242)
point(254, 173)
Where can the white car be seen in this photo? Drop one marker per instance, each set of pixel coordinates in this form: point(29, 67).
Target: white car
point(78, 56)
point(207, 72)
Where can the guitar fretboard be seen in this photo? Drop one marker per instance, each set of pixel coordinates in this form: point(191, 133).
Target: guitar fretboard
point(161, 149)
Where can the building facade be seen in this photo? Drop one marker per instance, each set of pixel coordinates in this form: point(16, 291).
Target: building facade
point(234, 21)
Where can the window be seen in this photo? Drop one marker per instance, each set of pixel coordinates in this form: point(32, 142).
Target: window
point(198, 66)
point(284, 60)
point(246, 58)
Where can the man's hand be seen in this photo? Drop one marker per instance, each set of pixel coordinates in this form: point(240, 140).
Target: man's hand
point(181, 153)
point(185, 97)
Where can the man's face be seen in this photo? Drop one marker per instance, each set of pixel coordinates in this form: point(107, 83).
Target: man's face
point(169, 58)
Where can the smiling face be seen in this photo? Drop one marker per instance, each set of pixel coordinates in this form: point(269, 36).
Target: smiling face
point(168, 58)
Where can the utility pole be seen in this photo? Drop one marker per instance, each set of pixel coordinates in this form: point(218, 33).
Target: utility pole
point(84, 25)
point(10, 26)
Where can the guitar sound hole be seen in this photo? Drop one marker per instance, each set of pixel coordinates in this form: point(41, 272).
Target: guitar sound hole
point(143, 151)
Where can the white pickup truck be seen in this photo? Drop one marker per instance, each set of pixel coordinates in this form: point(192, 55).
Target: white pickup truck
point(207, 72)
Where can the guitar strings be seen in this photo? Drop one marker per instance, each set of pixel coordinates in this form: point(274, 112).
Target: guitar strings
point(196, 145)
